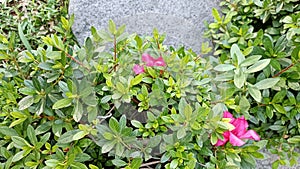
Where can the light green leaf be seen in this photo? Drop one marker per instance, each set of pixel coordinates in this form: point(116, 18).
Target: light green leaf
point(119, 163)
point(26, 102)
point(239, 78)
point(18, 156)
point(224, 67)
point(19, 142)
point(294, 140)
point(216, 15)
point(136, 80)
point(112, 27)
point(66, 102)
point(136, 163)
point(23, 38)
point(114, 125)
point(106, 99)
point(267, 83)
point(250, 60)
point(79, 135)
point(78, 111)
point(31, 135)
point(260, 65)
point(8, 131)
point(255, 93)
point(235, 53)
point(174, 164)
point(108, 146)
point(181, 133)
point(67, 137)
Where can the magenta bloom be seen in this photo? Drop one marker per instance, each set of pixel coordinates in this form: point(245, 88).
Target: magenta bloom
point(138, 69)
point(151, 61)
point(240, 132)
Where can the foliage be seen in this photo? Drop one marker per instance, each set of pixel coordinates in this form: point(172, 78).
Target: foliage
point(267, 35)
point(65, 106)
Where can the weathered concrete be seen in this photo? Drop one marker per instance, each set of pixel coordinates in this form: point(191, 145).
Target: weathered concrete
point(181, 20)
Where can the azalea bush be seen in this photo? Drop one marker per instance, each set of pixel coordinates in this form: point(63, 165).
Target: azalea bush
point(128, 101)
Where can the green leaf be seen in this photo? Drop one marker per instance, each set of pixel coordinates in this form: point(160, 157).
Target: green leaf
point(236, 54)
point(255, 93)
point(136, 80)
point(106, 99)
point(108, 146)
point(279, 96)
point(23, 38)
point(136, 124)
point(67, 137)
point(52, 163)
point(279, 108)
point(267, 83)
point(244, 104)
point(118, 162)
point(66, 102)
point(294, 140)
point(43, 127)
point(239, 78)
point(258, 66)
point(181, 133)
point(114, 125)
point(79, 135)
point(250, 60)
point(8, 131)
point(276, 127)
point(19, 142)
point(112, 27)
point(136, 163)
point(31, 135)
point(82, 157)
point(216, 15)
point(174, 164)
point(26, 102)
point(78, 111)
point(224, 67)
point(18, 156)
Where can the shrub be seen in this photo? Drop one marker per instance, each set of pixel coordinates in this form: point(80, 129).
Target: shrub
point(128, 101)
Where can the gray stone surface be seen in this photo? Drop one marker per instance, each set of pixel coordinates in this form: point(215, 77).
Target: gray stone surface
point(181, 20)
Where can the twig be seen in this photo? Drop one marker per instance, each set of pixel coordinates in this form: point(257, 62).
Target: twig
point(108, 114)
point(72, 58)
point(150, 163)
point(283, 70)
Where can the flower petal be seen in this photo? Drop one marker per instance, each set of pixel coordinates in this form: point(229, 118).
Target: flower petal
point(224, 141)
point(235, 141)
point(160, 62)
point(240, 125)
point(138, 69)
point(226, 114)
point(250, 134)
point(148, 59)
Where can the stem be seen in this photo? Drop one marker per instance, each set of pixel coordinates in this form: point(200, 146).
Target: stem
point(72, 58)
point(284, 70)
point(115, 48)
point(108, 113)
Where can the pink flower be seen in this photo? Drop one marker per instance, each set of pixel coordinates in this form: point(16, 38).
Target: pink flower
point(150, 61)
point(138, 69)
point(240, 132)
